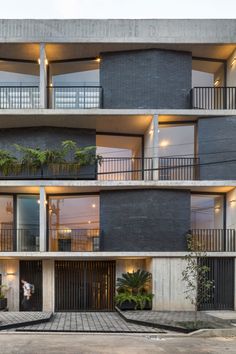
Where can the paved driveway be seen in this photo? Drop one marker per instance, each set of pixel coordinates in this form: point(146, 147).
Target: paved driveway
point(21, 343)
point(89, 322)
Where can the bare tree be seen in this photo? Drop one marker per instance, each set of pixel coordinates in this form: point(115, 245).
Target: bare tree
point(195, 275)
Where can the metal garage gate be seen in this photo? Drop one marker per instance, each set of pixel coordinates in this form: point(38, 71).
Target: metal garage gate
point(84, 285)
point(222, 295)
point(31, 271)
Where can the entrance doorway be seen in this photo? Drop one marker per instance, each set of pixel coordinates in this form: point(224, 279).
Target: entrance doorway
point(222, 294)
point(31, 271)
point(84, 285)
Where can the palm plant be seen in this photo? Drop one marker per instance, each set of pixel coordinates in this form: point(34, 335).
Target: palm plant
point(7, 161)
point(134, 283)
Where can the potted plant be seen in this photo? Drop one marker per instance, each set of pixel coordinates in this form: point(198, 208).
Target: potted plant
point(3, 299)
point(132, 291)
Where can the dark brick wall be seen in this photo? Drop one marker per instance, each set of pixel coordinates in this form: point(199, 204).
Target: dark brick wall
point(217, 142)
point(144, 220)
point(48, 137)
point(146, 79)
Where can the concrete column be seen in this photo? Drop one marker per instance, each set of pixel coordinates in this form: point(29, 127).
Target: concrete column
point(48, 285)
point(10, 277)
point(167, 285)
point(42, 220)
point(43, 77)
point(155, 151)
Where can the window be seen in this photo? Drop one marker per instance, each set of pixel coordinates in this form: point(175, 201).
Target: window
point(207, 211)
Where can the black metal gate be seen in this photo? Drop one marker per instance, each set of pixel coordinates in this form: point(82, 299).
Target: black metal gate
point(222, 294)
point(84, 285)
point(31, 271)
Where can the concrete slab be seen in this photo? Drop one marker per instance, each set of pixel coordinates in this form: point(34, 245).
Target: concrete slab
point(19, 319)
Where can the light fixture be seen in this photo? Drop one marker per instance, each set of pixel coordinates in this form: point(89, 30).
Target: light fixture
point(164, 143)
point(98, 60)
point(10, 273)
point(217, 82)
point(233, 61)
point(89, 222)
point(38, 201)
point(233, 201)
point(46, 61)
point(39, 61)
point(45, 202)
point(151, 131)
point(217, 209)
point(158, 131)
point(93, 205)
point(67, 231)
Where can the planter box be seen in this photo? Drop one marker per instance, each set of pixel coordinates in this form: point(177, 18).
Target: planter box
point(3, 304)
point(130, 306)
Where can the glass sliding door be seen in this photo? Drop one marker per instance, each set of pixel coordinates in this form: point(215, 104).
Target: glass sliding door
point(74, 223)
point(27, 223)
point(7, 232)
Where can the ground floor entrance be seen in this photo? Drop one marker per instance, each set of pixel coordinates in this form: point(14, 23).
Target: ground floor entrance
point(31, 271)
point(222, 294)
point(84, 285)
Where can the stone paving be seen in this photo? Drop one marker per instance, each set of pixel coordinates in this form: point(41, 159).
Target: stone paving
point(109, 322)
point(16, 319)
point(173, 318)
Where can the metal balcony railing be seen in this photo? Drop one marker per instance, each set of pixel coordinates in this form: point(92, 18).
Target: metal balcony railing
point(109, 169)
point(125, 169)
point(178, 168)
point(213, 97)
point(20, 240)
point(19, 97)
point(74, 240)
point(214, 240)
point(75, 97)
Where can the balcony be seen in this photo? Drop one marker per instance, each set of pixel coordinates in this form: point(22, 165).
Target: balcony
point(110, 169)
point(19, 97)
point(19, 240)
point(74, 240)
point(75, 97)
point(214, 240)
point(213, 98)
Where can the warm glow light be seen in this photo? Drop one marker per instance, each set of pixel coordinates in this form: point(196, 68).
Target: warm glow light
point(158, 130)
point(233, 202)
point(164, 143)
point(38, 201)
point(94, 205)
point(46, 61)
point(89, 222)
point(233, 61)
point(151, 131)
point(39, 61)
point(217, 209)
point(10, 273)
point(98, 60)
point(67, 231)
point(216, 83)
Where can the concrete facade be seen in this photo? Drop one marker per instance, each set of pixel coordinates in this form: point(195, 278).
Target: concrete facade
point(145, 69)
point(144, 220)
point(146, 79)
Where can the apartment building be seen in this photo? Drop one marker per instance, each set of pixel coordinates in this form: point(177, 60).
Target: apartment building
point(157, 99)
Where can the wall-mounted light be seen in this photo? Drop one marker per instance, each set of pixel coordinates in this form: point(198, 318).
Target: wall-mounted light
point(233, 202)
point(98, 60)
point(151, 131)
point(217, 209)
point(10, 273)
point(39, 61)
point(158, 131)
point(164, 143)
point(89, 222)
point(46, 61)
point(217, 82)
point(93, 205)
point(45, 202)
point(233, 61)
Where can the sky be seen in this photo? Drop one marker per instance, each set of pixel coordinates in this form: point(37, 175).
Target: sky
point(63, 9)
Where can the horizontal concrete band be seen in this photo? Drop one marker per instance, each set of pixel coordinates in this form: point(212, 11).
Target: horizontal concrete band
point(117, 112)
point(118, 31)
point(104, 255)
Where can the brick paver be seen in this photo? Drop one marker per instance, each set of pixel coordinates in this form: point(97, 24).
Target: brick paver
point(109, 322)
point(8, 319)
point(173, 318)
